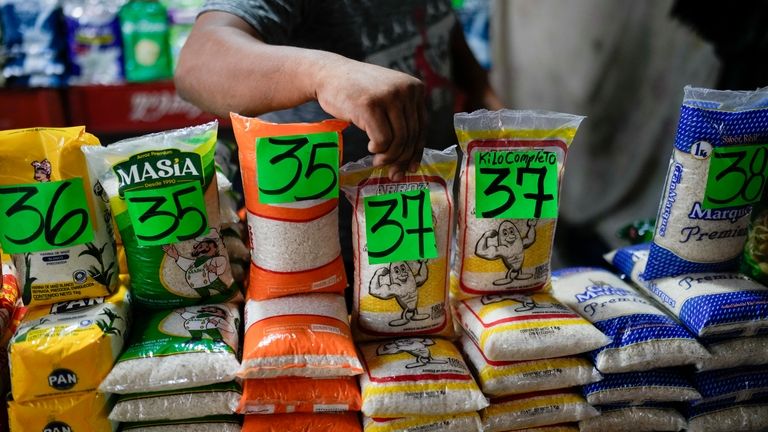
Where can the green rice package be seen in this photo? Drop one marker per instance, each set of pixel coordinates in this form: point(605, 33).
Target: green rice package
point(163, 193)
point(144, 26)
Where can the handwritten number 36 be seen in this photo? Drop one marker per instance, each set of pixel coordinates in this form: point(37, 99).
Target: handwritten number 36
point(45, 224)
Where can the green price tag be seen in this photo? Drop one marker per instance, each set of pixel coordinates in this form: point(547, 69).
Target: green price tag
point(399, 227)
point(168, 214)
point(516, 184)
point(298, 168)
point(736, 176)
point(36, 217)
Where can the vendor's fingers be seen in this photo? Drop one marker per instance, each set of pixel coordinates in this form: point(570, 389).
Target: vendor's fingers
point(421, 131)
point(378, 128)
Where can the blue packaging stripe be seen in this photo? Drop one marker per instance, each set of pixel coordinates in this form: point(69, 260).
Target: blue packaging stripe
point(697, 124)
point(621, 406)
point(728, 382)
point(664, 263)
point(625, 258)
point(638, 328)
point(698, 313)
point(654, 378)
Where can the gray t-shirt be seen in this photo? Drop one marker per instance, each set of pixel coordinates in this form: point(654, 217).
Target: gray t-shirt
point(408, 36)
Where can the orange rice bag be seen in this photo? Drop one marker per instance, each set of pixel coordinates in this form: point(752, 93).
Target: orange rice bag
point(346, 422)
point(307, 395)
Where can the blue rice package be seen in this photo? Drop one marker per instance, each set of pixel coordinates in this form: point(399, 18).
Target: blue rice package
point(717, 170)
point(32, 43)
point(637, 388)
point(726, 416)
point(711, 305)
point(635, 418)
point(736, 352)
point(94, 41)
point(733, 385)
point(643, 336)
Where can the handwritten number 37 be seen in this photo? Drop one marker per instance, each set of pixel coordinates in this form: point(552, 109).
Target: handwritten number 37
point(45, 224)
point(387, 220)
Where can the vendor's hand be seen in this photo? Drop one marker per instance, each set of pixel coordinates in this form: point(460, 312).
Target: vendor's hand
point(388, 105)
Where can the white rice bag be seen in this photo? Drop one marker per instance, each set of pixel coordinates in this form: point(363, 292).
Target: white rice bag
point(643, 336)
point(637, 388)
point(181, 348)
point(731, 353)
point(466, 422)
point(641, 418)
point(215, 399)
point(711, 305)
point(202, 424)
point(417, 376)
point(535, 409)
point(514, 327)
point(734, 385)
point(726, 416)
point(499, 378)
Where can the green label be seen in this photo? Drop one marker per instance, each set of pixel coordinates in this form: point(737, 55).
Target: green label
point(399, 227)
point(736, 176)
point(36, 217)
point(516, 184)
point(298, 168)
point(157, 168)
point(169, 214)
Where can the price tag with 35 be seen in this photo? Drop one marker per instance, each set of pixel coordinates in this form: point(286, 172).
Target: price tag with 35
point(516, 184)
point(736, 176)
point(168, 214)
point(298, 168)
point(36, 217)
point(399, 227)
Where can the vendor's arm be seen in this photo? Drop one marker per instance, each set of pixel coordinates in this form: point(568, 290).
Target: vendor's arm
point(470, 77)
point(225, 66)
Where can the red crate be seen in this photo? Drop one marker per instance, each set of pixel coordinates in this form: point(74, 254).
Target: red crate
point(23, 108)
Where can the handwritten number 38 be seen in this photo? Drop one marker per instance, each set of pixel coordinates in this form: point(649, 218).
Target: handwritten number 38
point(45, 224)
point(756, 168)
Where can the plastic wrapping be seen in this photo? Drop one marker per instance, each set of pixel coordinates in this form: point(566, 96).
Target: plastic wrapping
point(515, 327)
point(467, 422)
point(711, 305)
point(212, 400)
point(507, 378)
point(178, 166)
point(303, 335)
point(295, 245)
point(735, 385)
point(728, 417)
point(644, 418)
point(731, 353)
point(569, 427)
point(535, 409)
point(403, 298)
point(177, 349)
point(40, 161)
point(68, 347)
point(301, 395)
point(346, 422)
point(754, 261)
point(86, 412)
point(417, 377)
point(94, 41)
point(637, 388)
point(501, 255)
point(643, 336)
point(699, 229)
point(198, 424)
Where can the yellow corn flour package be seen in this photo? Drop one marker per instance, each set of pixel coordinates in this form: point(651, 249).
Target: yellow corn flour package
point(402, 237)
point(163, 192)
point(508, 197)
point(418, 376)
point(53, 219)
point(80, 412)
point(67, 347)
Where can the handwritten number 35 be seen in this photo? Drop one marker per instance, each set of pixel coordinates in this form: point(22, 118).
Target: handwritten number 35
point(155, 211)
point(45, 224)
point(294, 146)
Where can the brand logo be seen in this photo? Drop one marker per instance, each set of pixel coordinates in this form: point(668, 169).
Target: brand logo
point(156, 168)
point(730, 214)
point(80, 276)
point(74, 305)
point(57, 427)
point(62, 379)
point(600, 289)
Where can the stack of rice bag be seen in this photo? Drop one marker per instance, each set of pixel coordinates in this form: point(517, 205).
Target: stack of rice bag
point(59, 236)
point(299, 360)
point(523, 344)
point(690, 268)
point(639, 386)
point(180, 362)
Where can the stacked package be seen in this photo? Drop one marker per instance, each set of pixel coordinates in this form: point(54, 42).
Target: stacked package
point(58, 231)
point(180, 362)
point(523, 345)
point(299, 361)
point(690, 268)
point(640, 385)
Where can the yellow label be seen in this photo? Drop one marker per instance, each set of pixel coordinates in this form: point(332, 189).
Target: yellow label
point(83, 412)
